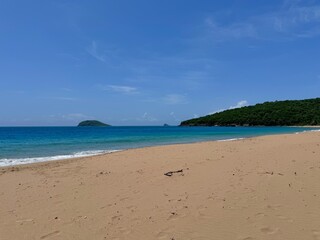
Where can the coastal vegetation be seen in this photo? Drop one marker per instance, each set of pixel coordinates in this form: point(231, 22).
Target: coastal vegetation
point(92, 123)
point(278, 113)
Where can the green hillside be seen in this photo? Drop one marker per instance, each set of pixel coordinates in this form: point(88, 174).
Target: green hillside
point(278, 113)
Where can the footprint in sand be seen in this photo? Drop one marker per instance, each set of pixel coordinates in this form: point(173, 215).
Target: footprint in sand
point(260, 215)
point(202, 213)
point(125, 231)
point(173, 216)
point(268, 230)
point(285, 218)
point(123, 199)
point(164, 235)
point(316, 235)
point(116, 218)
point(273, 207)
point(132, 208)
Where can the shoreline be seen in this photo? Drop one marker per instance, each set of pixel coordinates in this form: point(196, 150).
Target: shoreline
point(26, 165)
point(35, 160)
point(254, 188)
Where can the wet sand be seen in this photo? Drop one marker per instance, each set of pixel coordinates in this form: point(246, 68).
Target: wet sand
point(258, 188)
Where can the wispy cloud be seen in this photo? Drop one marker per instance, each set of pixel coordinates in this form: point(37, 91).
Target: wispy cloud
point(291, 21)
point(60, 98)
point(296, 19)
point(66, 89)
point(75, 116)
point(174, 99)
point(291, 3)
point(145, 118)
point(175, 118)
point(120, 89)
point(67, 117)
point(233, 31)
point(187, 72)
point(93, 51)
point(69, 56)
point(239, 104)
point(71, 99)
point(148, 118)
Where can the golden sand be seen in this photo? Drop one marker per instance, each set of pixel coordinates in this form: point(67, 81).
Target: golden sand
point(259, 188)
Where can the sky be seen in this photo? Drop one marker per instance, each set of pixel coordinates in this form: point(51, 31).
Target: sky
point(148, 62)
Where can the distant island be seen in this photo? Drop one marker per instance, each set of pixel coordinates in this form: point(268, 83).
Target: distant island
point(92, 123)
point(279, 113)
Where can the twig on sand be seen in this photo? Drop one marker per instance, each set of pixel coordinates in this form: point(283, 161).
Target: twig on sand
point(169, 174)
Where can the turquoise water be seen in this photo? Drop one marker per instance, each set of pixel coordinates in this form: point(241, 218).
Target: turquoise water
point(20, 145)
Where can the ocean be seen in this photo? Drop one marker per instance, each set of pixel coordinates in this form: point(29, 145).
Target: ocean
point(20, 145)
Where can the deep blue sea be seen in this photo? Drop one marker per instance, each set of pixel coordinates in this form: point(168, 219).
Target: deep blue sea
point(19, 145)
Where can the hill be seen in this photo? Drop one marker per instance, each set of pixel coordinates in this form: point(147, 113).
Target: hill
point(92, 123)
point(278, 113)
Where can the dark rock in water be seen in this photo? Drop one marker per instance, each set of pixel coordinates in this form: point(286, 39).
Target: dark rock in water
point(92, 123)
point(166, 125)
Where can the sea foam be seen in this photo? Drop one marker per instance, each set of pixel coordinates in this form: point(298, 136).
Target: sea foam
point(229, 139)
point(18, 161)
point(313, 130)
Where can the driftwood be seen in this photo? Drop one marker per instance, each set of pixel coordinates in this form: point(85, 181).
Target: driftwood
point(169, 174)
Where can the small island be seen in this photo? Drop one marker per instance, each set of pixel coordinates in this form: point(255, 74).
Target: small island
point(92, 123)
point(279, 113)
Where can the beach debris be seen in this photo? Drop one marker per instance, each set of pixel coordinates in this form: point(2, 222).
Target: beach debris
point(169, 174)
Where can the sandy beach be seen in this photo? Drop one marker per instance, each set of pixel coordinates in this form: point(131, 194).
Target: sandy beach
point(257, 188)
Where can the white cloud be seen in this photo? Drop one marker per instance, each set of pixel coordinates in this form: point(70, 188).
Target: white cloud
point(239, 104)
point(174, 99)
point(93, 51)
point(120, 89)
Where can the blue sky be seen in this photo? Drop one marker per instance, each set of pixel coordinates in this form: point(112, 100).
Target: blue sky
point(148, 62)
